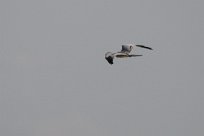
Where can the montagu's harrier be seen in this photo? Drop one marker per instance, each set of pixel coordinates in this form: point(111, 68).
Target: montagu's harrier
point(124, 53)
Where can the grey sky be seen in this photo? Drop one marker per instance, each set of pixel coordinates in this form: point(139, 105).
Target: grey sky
point(55, 81)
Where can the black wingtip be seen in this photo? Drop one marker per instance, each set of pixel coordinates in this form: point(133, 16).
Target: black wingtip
point(110, 60)
point(142, 46)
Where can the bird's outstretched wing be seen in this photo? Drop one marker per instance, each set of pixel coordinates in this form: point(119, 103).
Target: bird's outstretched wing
point(142, 46)
point(134, 55)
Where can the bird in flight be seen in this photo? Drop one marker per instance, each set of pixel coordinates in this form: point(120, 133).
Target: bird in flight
point(124, 53)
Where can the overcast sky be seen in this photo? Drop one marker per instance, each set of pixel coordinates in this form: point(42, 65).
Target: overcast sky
point(54, 80)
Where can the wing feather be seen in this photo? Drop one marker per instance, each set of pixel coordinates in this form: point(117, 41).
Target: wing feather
point(142, 46)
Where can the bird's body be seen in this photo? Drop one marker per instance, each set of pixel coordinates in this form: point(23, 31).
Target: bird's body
point(124, 53)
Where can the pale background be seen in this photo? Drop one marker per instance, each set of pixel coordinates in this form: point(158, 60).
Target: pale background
point(54, 80)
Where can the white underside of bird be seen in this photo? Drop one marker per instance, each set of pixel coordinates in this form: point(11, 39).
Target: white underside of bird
point(124, 53)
